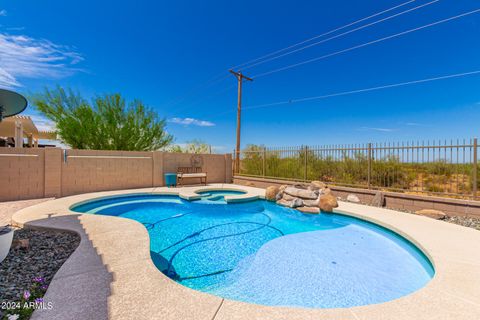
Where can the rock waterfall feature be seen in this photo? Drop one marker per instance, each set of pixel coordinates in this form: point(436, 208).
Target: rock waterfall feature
point(308, 198)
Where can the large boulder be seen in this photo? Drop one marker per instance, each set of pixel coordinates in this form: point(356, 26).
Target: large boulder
point(318, 184)
point(288, 197)
point(271, 193)
point(301, 193)
point(378, 200)
point(311, 203)
point(326, 190)
point(312, 210)
point(353, 198)
point(327, 202)
point(297, 202)
point(282, 187)
point(301, 186)
point(280, 193)
point(431, 213)
point(284, 203)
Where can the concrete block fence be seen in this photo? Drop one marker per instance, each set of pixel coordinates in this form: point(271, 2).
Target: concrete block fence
point(54, 172)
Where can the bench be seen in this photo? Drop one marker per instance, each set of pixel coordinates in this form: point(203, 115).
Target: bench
point(191, 172)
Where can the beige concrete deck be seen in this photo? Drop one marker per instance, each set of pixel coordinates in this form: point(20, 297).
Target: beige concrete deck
point(111, 275)
point(8, 208)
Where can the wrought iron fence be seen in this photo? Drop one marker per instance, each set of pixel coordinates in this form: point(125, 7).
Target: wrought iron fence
point(440, 168)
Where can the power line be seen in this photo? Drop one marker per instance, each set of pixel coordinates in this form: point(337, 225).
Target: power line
point(321, 35)
point(366, 44)
point(342, 34)
point(223, 76)
point(457, 75)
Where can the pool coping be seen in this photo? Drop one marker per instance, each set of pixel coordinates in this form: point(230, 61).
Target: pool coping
point(111, 274)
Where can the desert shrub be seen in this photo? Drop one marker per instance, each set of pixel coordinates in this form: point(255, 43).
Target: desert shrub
point(436, 183)
point(440, 167)
point(252, 160)
point(434, 188)
point(390, 172)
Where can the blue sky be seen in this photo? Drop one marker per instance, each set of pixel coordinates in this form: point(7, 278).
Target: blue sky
point(165, 53)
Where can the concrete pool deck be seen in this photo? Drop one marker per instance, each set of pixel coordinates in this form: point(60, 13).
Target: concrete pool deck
point(110, 275)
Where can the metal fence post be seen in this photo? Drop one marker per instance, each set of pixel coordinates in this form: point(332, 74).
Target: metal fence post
point(306, 161)
point(369, 173)
point(264, 160)
point(475, 168)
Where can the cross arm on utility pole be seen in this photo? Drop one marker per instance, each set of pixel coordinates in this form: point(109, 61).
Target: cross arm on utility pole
point(239, 75)
point(240, 78)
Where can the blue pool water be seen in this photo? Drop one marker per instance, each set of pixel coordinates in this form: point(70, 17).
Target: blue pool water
point(262, 253)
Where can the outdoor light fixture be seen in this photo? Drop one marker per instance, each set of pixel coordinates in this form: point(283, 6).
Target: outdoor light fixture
point(11, 103)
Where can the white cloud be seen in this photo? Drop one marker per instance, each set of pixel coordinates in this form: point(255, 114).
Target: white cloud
point(3, 13)
point(191, 121)
point(378, 129)
point(25, 57)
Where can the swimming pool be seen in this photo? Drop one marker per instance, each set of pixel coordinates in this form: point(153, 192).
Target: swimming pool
point(262, 253)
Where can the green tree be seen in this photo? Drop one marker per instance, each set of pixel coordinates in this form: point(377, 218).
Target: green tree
point(105, 123)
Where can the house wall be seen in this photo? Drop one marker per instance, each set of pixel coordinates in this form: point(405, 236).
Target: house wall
point(53, 172)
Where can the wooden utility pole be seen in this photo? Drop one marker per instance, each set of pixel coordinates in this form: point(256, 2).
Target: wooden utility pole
point(240, 78)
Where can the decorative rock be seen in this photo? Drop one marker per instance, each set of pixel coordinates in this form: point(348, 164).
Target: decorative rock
point(353, 198)
point(311, 203)
point(279, 196)
point(302, 186)
point(431, 213)
point(301, 193)
point(312, 210)
point(288, 197)
point(271, 193)
point(378, 200)
point(284, 203)
point(297, 202)
point(48, 251)
point(327, 203)
point(319, 184)
point(21, 244)
point(280, 192)
point(326, 190)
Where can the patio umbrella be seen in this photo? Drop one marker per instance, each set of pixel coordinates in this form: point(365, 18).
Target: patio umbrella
point(11, 103)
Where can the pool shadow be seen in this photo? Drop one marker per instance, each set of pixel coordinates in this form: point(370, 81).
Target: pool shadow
point(160, 262)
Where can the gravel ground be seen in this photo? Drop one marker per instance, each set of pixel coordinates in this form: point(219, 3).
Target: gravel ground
point(470, 222)
point(465, 221)
point(48, 251)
